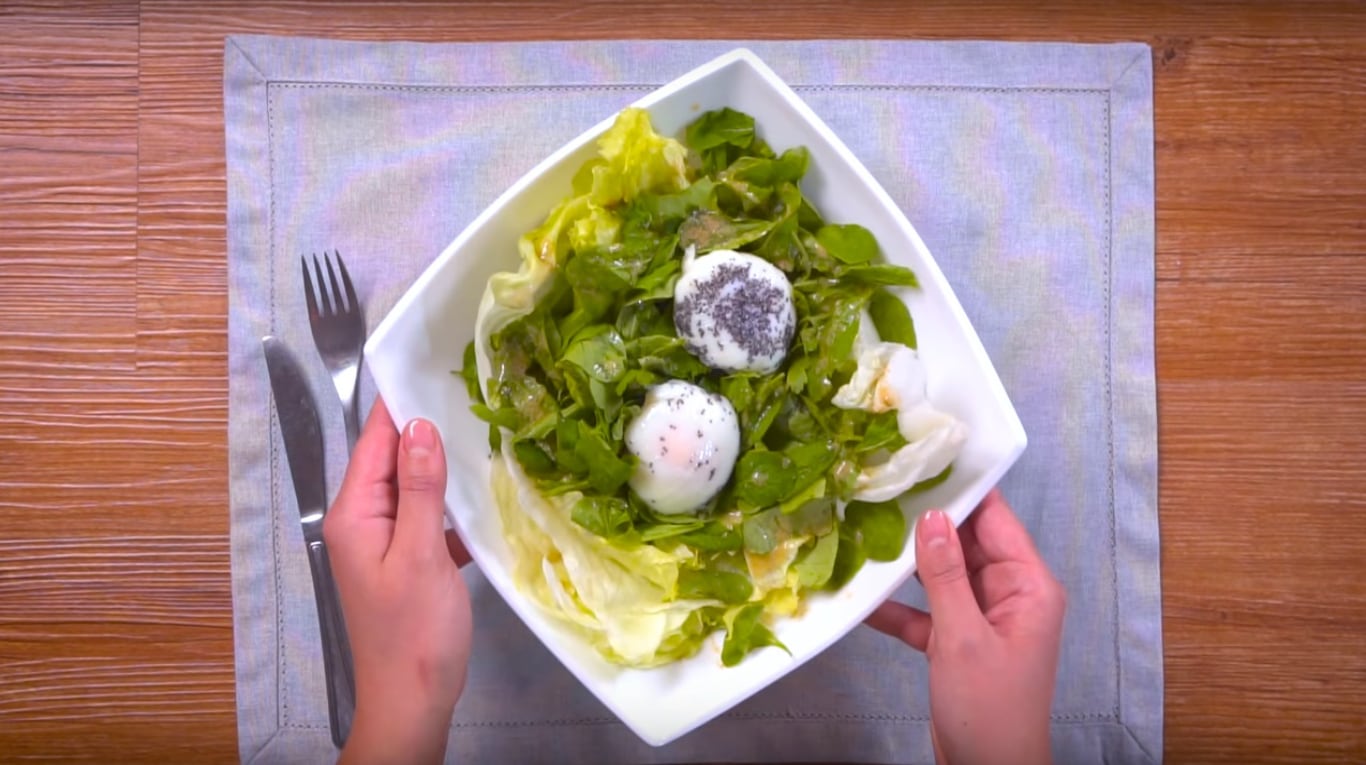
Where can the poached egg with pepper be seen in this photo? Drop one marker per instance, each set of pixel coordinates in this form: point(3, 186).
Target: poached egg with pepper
point(734, 311)
point(686, 441)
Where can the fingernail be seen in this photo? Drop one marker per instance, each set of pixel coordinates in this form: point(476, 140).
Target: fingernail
point(420, 438)
point(934, 528)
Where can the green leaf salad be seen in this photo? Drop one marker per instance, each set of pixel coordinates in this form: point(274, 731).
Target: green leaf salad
point(704, 399)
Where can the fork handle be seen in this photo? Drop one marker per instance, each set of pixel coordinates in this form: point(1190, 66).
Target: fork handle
point(337, 666)
point(352, 425)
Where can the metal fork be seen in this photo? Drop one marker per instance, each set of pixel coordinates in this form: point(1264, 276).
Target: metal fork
point(338, 332)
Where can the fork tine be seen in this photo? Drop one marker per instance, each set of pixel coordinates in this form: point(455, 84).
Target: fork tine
point(336, 286)
point(308, 290)
point(322, 288)
point(346, 282)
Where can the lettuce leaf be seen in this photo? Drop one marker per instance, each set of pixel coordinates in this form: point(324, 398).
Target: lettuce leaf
point(621, 597)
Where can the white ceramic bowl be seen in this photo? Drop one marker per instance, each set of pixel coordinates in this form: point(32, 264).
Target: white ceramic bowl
point(413, 351)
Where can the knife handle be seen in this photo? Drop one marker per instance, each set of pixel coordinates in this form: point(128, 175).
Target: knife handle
point(341, 675)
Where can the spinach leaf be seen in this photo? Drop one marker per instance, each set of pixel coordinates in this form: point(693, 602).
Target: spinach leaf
point(884, 274)
point(848, 242)
point(891, 318)
point(815, 567)
point(763, 478)
point(745, 633)
point(849, 558)
point(880, 527)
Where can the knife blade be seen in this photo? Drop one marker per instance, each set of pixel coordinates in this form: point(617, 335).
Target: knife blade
point(302, 434)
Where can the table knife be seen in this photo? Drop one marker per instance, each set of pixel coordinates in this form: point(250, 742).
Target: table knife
point(302, 435)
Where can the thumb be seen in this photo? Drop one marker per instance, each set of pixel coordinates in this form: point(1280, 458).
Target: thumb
point(944, 575)
point(421, 492)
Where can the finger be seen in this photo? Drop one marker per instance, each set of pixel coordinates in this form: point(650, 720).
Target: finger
point(944, 574)
point(456, 547)
point(999, 536)
point(421, 492)
point(910, 625)
point(368, 484)
point(357, 524)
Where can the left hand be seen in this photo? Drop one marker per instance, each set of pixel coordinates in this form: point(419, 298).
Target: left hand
point(407, 610)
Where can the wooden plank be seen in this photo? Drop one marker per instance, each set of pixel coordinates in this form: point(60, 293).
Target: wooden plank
point(113, 620)
point(1260, 165)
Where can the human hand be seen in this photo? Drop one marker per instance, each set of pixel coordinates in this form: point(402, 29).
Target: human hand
point(406, 607)
point(991, 636)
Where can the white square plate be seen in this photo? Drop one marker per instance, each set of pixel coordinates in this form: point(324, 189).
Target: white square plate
point(412, 353)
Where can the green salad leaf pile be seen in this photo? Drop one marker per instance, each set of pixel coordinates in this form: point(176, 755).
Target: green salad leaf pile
point(573, 342)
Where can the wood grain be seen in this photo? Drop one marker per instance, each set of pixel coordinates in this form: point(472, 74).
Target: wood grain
point(115, 607)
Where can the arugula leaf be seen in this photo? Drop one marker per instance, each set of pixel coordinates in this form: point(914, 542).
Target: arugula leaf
point(883, 432)
point(606, 471)
point(643, 318)
point(534, 458)
point(504, 417)
point(659, 282)
point(605, 516)
point(892, 319)
point(529, 398)
point(668, 356)
point(739, 390)
point(665, 209)
point(745, 633)
point(880, 526)
point(848, 242)
point(781, 246)
point(566, 447)
point(709, 230)
point(710, 583)
point(469, 372)
point(599, 352)
point(769, 173)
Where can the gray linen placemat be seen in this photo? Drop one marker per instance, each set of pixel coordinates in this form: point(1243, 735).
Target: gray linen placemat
point(1027, 169)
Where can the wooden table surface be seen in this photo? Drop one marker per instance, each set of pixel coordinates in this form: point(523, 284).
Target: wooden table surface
point(115, 607)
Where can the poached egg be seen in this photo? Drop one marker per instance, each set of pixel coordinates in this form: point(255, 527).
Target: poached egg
point(686, 441)
point(734, 311)
point(891, 376)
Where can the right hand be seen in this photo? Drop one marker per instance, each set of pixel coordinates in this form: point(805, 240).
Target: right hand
point(991, 636)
